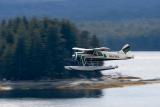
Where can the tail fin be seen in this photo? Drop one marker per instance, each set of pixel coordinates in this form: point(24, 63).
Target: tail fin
point(125, 48)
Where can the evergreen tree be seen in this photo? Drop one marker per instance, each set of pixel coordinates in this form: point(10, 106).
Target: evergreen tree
point(69, 33)
point(83, 39)
point(94, 42)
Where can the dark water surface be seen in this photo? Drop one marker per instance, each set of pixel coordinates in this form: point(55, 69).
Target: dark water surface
point(49, 93)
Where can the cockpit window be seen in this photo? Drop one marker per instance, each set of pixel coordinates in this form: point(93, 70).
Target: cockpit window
point(97, 53)
point(89, 52)
point(100, 54)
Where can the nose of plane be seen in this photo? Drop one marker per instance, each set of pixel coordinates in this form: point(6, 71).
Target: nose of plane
point(74, 56)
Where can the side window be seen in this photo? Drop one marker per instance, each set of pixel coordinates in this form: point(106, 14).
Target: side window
point(100, 54)
point(89, 52)
point(95, 53)
point(104, 55)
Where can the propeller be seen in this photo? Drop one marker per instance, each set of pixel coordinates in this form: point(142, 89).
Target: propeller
point(74, 56)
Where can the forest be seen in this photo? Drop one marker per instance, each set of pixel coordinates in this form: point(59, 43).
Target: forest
point(38, 48)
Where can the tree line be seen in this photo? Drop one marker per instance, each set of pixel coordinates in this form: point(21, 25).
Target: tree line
point(142, 34)
point(35, 49)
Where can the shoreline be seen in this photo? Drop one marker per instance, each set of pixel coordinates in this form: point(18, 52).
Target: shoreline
point(76, 84)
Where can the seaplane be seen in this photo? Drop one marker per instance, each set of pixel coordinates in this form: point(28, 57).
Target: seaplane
point(92, 59)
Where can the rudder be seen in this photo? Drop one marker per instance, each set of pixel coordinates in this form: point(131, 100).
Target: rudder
point(126, 48)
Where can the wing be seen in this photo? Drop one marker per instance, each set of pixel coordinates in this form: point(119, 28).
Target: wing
point(102, 49)
point(90, 50)
point(81, 49)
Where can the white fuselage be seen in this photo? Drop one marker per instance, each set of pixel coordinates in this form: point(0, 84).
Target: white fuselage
point(116, 55)
point(105, 55)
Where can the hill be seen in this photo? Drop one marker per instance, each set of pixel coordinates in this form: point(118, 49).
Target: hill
point(142, 34)
point(82, 10)
point(116, 22)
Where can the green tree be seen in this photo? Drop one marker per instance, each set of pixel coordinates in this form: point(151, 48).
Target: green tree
point(83, 39)
point(94, 42)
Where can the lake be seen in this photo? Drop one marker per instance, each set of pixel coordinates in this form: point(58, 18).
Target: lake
point(146, 65)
